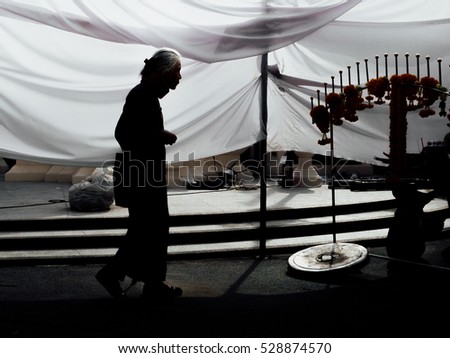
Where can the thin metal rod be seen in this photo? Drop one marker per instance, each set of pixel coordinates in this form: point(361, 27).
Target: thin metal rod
point(440, 70)
point(396, 63)
point(376, 66)
point(386, 64)
point(443, 268)
point(366, 60)
point(333, 194)
point(418, 65)
point(357, 73)
point(407, 62)
point(263, 150)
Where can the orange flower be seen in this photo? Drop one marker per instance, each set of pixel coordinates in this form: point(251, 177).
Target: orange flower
point(429, 93)
point(321, 118)
point(378, 87)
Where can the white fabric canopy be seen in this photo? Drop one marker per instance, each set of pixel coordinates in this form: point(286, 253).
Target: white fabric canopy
point(66, 67)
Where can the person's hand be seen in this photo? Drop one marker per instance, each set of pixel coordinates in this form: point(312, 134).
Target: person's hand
point(168, 137)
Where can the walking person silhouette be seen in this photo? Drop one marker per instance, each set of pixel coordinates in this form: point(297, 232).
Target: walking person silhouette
point(140, 182)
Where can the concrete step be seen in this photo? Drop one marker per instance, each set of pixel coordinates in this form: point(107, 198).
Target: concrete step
point(95, 245)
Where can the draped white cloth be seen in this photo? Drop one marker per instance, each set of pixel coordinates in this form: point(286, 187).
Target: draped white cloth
point(66, 67)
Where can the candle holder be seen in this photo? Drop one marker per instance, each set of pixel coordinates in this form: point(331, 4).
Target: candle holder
point(405, 92)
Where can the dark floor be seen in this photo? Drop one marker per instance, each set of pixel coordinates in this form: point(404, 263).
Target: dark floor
point(236, 297)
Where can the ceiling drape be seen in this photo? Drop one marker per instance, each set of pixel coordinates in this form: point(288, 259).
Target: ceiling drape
point(66, 67)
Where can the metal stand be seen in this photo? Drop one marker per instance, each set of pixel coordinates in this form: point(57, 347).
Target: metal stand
point(328, 258)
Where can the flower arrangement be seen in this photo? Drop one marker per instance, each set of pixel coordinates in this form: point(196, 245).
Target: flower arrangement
point(405, 93)
point(378, 88)
point(429, 95)
point(335, 103)
point(321, 118)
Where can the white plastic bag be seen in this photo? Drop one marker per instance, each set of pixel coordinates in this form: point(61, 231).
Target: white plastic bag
point(95, 193)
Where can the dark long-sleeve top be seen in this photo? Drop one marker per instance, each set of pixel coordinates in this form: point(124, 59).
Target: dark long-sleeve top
point(141, 122)
point(138, 133)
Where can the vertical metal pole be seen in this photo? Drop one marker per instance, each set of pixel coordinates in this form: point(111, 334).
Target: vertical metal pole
point(418, 65)
point(376, 66)
point(396, 63)
point(440, 70)
point(333, 193)
point(263, 163)
point(357, 73)
point(386, 64)
point(407, 62)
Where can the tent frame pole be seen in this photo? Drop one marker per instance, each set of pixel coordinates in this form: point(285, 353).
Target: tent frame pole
point(264, 154)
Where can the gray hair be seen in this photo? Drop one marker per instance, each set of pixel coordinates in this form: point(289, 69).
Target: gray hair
point(162, 61)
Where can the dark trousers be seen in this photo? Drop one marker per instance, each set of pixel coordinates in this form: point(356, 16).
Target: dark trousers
point(143, 253)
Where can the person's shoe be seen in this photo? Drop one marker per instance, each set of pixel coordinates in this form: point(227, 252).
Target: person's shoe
point(110, 283)
point(160, 291)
